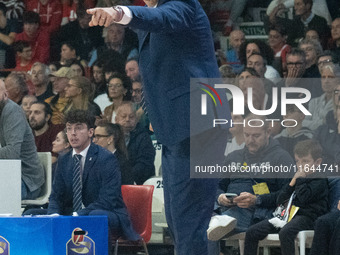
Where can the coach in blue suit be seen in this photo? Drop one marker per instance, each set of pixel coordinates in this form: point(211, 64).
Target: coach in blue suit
point(175, 44)
point(101, 187)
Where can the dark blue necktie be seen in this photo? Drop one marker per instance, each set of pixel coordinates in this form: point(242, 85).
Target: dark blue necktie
point(76, 185)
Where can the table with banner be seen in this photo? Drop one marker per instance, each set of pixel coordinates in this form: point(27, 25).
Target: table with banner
point(54, 235)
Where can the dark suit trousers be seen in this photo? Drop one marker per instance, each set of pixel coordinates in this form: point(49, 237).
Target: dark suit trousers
point(326, 239)
point(287, 234)
point(188, 202)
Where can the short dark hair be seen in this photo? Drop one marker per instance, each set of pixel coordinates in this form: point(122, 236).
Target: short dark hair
point(297, 52)
point(80, 116)
point(31, 17)
point(47, 107)
point(309, 146)
point(19, 46)
point(3, 8)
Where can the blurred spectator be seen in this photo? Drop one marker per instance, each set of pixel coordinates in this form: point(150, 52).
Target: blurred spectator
point(312, 34)
point(260, 47)
point(296, 66)
point(23, 52)
point(305, 19)
point(44, 132)
point(223, 14)
point(98, 79)
point(236, 38)
point(320, 106)
point(58, 102)
point(111, 137)
point(38, 38)
point(319, 8)
point(26, 103)
point(119, 90)
point(77, 69)
point(8, 30)
point(257, 61)
point(132, 69)
point(141, 152)
point(15, 8)
point(227, 73)
point(294, 132)
point(236, 141)
point(69, 11)
point(115, 64)
point(278, 42)
point(78, 91)
point(60, 146)
point(136, 92)
point(16, 87)
point(312, 50)
point(39, 78)
point(84, 38)
point(17, 142)
point(50, 12)
point(325, 58)
point(329, 134)
point(120, 39)
point(68, 54)
point(336, 39)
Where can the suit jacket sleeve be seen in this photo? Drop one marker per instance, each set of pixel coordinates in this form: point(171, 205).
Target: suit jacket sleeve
point(171, 16)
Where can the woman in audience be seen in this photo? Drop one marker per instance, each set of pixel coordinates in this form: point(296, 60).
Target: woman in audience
point(313, 50)
point(119, 87)
point(320, 106)
point(79, 91)
point(110, 136)
point(257, 46)
point(77, 69)
point(98, 79)
point(60, 147)
point(277, 41)
point(67, 54)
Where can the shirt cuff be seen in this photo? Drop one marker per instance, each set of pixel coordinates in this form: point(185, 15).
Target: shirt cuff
point(127, 17)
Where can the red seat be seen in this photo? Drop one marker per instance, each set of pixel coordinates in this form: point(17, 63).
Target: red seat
point(138, 200)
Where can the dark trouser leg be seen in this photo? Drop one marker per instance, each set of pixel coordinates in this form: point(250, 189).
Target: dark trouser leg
point(324, 228)
point(289, 232)
point(188, 202)
point(334, 247)
point(255, 233)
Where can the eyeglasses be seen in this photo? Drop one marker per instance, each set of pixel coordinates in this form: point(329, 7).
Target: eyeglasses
point(137, 91)
point(297, 64)
point(70, 85)
point(307, 49)
point(115, 86)
point(325, 61)
point(97, 136)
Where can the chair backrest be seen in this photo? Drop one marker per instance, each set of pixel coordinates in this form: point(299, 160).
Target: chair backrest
point(138, 200)
point(46, 161)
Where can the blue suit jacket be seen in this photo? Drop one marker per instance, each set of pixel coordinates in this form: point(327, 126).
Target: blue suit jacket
point(175, 44)
point(101, 187)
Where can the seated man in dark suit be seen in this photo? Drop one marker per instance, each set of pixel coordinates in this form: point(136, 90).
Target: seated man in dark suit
point(87, 180)
point(141, 152)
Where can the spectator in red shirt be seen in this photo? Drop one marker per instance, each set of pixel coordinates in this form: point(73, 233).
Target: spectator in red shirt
point(38, 38)
point(50, 12)
point(23, 52)
point(44, 132)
